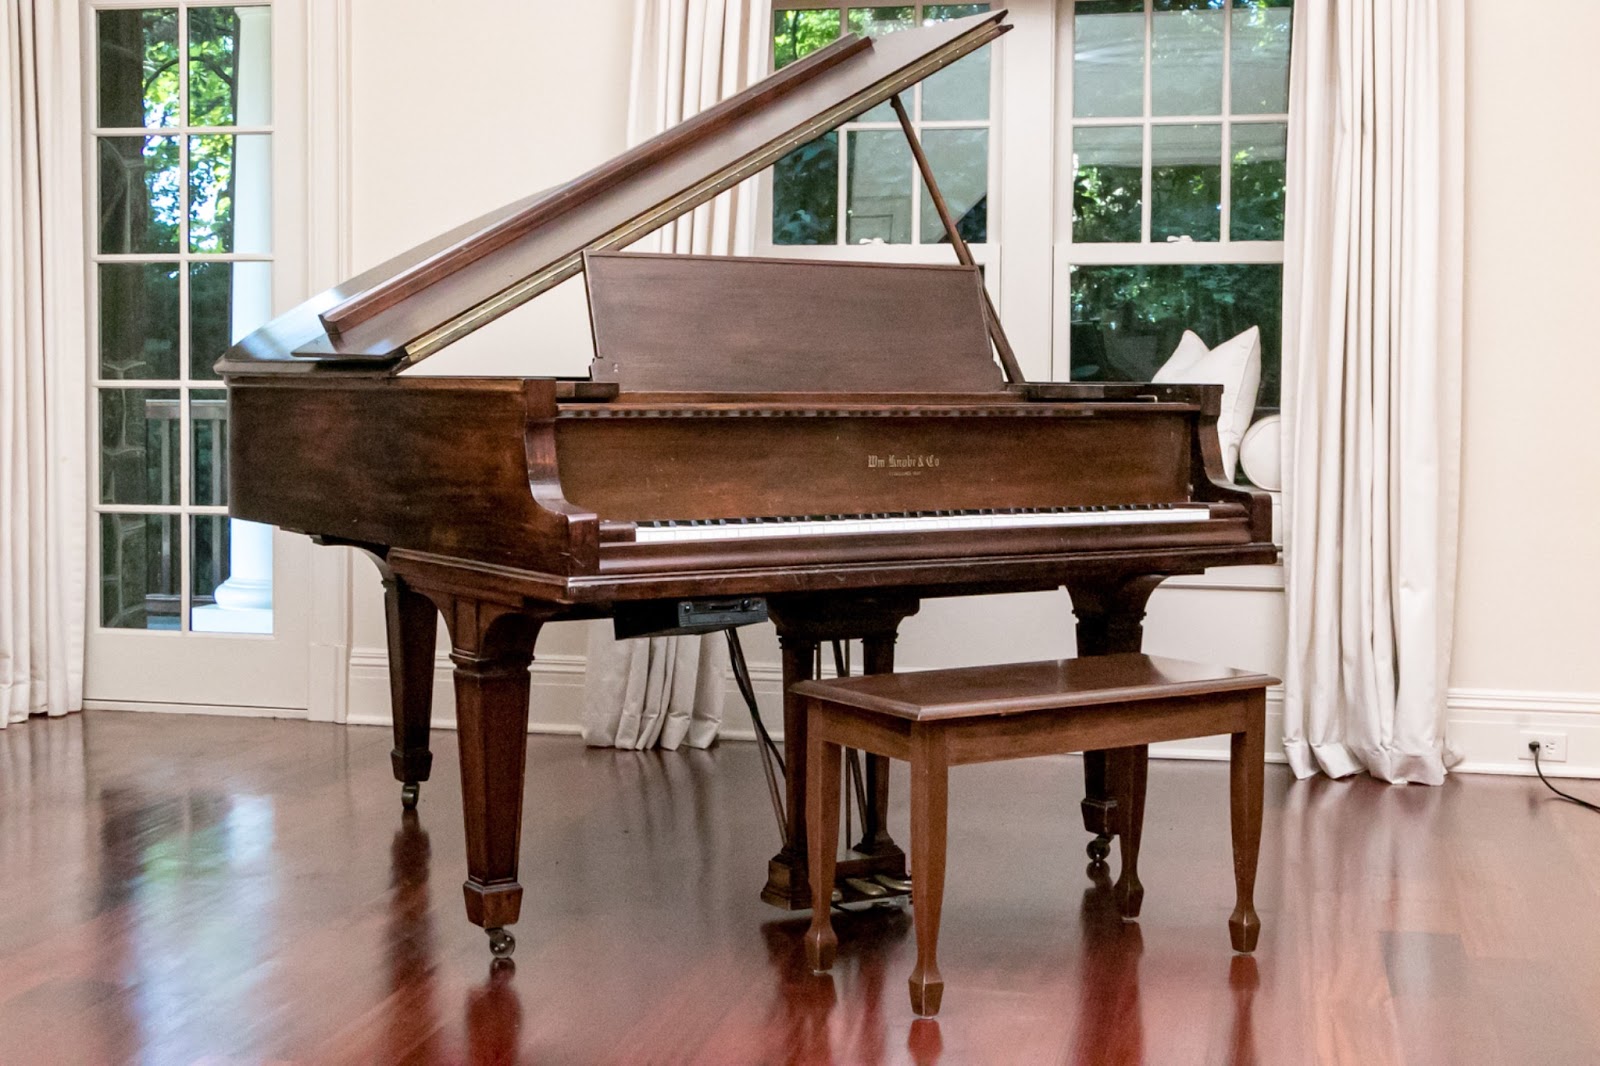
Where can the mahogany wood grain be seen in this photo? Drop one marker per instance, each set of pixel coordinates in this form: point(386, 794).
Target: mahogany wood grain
point(1130, 775)
point(411, 624)
point(492, 648)
point(1020, 688)
point(936, 719)
point(203, 889)
point(930, 808)
point(439, 465)
point(870, 327)
point(731, 467)
point(1245, 771)
point(822, 812)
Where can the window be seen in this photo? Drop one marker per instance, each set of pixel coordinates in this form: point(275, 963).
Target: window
point(1174, 146)
point(858, 185)
point(182, 153)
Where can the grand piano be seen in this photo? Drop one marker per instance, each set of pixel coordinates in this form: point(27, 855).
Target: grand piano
point(719, 463)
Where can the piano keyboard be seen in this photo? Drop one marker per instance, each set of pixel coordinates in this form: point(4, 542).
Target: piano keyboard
point(658, 532)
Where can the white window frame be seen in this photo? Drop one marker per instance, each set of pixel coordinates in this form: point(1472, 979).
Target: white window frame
point(1068, 254)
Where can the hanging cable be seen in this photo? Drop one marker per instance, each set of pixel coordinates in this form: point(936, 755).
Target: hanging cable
point(770, 756)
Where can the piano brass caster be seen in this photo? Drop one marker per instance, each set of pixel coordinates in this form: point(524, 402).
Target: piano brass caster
point(1099, 848)
point(408, 795)
point(501, 942)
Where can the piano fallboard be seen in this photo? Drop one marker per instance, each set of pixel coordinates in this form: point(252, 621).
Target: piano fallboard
point(634, 464)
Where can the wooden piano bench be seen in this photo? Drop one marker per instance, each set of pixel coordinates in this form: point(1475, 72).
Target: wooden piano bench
point(942, 718)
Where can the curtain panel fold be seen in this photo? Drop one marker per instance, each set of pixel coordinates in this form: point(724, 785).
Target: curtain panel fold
point(687, 56)
point(1372, 383)
point(43, 364)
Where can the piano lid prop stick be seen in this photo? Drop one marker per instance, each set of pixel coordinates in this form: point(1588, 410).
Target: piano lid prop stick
point(997, 332)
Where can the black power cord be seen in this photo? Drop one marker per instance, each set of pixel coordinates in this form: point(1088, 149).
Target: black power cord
point(771, 759)
point(1533, 746)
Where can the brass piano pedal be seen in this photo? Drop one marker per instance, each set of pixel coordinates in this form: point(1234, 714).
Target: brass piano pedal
point(898, 885)
point(866, 889)
point(836, 897)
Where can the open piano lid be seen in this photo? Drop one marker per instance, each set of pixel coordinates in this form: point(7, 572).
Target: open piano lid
point(417, 303)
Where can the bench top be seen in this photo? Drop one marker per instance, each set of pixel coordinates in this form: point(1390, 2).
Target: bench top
point(1018, 688)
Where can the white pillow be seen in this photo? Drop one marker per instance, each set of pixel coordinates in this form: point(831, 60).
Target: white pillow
point(1236, 366)
point(1259, 453)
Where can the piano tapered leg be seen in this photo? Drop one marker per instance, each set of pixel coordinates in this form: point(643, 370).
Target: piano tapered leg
point(786, 871)
point(492, 647)
point(412, 623)
point(1110, 615)
point(879, 659)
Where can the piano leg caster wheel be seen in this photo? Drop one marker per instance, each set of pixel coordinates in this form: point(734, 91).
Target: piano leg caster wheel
point(1099, 848)
point(408, 795)
point(501, 943)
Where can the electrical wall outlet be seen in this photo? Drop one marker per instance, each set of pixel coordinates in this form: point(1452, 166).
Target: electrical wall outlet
point(1552, 746)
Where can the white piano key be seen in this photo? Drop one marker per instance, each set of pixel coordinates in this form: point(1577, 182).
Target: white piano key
point(918, 524)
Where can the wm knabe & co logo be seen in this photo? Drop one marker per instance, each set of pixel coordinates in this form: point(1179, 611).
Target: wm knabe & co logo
point(901, 462)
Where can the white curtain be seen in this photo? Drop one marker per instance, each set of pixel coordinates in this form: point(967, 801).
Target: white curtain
point(687, 55)
point(43, 461)
point(1372, 383)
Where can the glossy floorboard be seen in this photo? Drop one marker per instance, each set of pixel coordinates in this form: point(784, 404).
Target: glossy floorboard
point(235, 891)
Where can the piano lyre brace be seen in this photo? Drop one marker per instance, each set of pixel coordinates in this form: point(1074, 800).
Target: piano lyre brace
point(832, 473)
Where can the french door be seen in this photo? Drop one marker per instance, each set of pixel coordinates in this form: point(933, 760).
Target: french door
point(189, 161)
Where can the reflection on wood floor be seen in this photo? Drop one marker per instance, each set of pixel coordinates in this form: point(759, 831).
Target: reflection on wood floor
point(178, 889)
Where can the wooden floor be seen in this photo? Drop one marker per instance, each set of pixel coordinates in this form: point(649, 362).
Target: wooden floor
point(229, 891)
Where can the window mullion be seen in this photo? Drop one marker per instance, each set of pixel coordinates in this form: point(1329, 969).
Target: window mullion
point(1147, 186)
point(1226, 219)
point(185, 434)
point(842, 222)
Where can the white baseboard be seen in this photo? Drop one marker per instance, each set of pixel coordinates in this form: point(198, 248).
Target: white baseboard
point(223, 710)
point(1484, 726)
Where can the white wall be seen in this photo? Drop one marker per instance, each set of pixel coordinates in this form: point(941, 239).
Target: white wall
point(543, 96)
point(1528, 615)
point(1528, 602)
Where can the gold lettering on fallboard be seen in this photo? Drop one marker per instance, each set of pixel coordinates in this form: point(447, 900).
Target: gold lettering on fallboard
point(903, 464)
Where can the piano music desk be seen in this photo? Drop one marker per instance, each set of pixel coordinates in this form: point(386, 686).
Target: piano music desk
point(936, 719)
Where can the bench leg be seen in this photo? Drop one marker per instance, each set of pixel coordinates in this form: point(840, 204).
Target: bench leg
point(930, 781)
point(822, 816)
point(1245, 787)
point(1130, 769)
